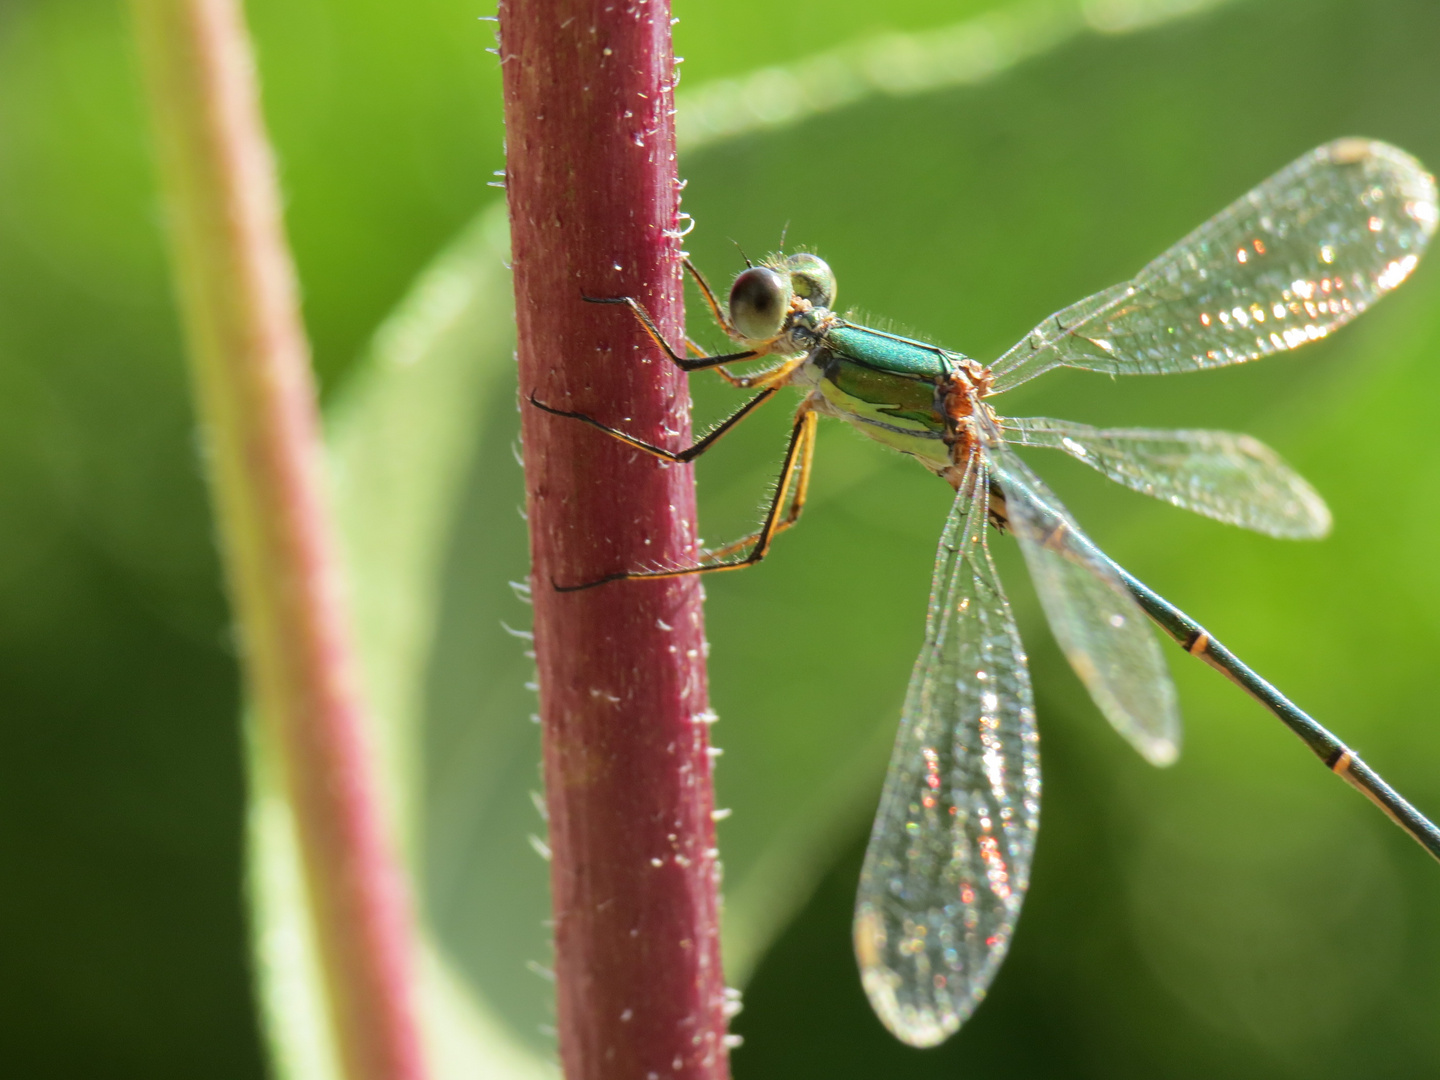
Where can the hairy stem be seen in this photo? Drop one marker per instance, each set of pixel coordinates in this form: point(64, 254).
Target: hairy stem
point(255, 397)
point(594, 208)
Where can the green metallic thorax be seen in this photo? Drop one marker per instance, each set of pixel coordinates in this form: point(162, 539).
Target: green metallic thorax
point(889, 387)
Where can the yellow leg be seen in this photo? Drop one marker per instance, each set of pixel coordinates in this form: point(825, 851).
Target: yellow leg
point(683, 362)
point(798, 458)
point(709, 295)
point(797, 501)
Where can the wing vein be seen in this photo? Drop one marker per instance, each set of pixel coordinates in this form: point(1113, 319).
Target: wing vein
point(949, 856)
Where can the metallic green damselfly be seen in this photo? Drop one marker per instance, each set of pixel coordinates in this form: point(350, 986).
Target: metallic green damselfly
point(949, 856)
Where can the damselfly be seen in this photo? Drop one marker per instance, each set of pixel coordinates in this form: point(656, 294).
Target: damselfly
point(949, 856)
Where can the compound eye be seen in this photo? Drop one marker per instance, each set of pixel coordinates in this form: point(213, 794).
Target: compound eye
point(759, 303)
point(812, 278)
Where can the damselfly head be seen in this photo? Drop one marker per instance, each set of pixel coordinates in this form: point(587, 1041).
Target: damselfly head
point(760, 303)
point(764, 297)
point(810, 277)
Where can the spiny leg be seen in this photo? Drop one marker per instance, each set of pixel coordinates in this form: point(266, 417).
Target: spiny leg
point(800, 449)
point(683, 362)
point(691, 452)
point(721, 320)
point(709, 295)
point(797, 501)
point(772, 376)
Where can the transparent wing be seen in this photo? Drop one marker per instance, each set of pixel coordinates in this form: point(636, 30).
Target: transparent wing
point(1100, 628)
point(1231, 478)
point(949, 856)
point(1302, 254)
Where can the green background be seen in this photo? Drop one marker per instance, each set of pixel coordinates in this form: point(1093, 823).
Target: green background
point(1239, 914)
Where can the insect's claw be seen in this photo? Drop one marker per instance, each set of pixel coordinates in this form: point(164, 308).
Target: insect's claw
point(606, 580)
point(552, 410)
point(575, 588)
point(605, 299)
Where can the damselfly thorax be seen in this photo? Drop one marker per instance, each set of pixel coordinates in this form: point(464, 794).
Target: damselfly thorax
point(909, 395)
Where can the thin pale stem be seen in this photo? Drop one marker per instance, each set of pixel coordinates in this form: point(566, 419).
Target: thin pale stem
point(255, 397)
point(1338, 758)
point(594, 205)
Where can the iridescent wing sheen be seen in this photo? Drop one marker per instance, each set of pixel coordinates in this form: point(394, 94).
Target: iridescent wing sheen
point(1100, 628)
point(1232, 478)
point(949, 856)
point(1298, 257)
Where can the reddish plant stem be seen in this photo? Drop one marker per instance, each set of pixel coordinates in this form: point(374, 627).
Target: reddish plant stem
point(594, 206)
point(255, 397)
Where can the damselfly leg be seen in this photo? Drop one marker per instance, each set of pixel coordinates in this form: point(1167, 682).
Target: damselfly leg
point(799, 455)
point(680, 457)
point(795, 471)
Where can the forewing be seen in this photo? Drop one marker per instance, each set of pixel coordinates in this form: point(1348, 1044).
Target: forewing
point(1298, 257)
point(949, 856)
point(1232, 478)
point(1100, 628)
